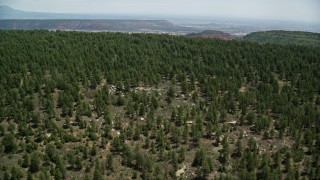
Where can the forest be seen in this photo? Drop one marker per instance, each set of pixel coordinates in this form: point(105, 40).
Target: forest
point(80, 105)
point(284, 37)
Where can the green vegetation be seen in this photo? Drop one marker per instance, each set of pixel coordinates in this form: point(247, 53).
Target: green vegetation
point(77, 105)
point(211, 34)
point(207, 32)
point(285, 37)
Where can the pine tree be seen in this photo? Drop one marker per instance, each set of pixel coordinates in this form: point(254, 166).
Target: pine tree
point(35, 162)
point(78, 163)
point(181, 155)
point(25, 160)
point(9, 143)
point(199, 158)
point(109, 163)
point(97, 174)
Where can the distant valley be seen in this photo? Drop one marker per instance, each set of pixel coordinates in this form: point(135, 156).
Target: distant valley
point(17, 19)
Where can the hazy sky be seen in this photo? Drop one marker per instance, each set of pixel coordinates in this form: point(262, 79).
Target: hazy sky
point(293, 10)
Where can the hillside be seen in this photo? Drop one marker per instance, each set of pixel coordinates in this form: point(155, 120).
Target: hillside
point(77, 105)
point(285, 37)
point(211, 34)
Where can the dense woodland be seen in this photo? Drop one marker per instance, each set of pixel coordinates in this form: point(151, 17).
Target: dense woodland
point(76, 105)
point(285, 38)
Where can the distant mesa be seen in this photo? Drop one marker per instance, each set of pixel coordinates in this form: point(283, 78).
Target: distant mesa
point(144, 26)
point(16, 19)
point(212, 34)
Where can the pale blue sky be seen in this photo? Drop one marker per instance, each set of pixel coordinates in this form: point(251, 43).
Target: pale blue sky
point(293, 10)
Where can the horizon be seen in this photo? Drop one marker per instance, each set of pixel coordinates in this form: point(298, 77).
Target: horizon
point(290, 11)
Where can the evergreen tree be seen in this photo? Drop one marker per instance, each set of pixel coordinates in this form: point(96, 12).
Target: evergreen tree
point(109, 163)
point(97, 174)
point(9, 143)
point(35, 162)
